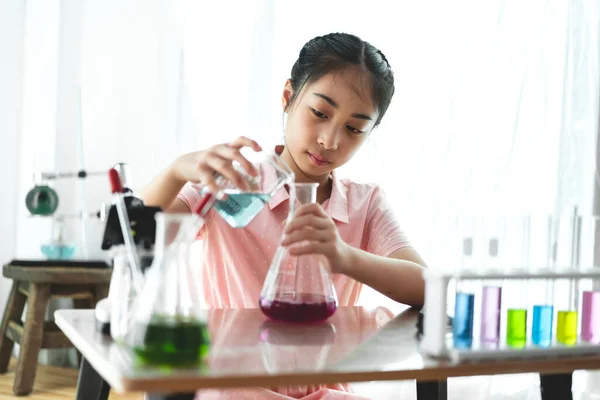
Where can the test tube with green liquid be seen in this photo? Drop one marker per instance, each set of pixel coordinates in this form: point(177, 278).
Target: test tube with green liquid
point(517, 241)
point(567, 317)
point(516, 313)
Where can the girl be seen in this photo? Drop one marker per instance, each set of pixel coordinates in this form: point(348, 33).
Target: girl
point(339, 90)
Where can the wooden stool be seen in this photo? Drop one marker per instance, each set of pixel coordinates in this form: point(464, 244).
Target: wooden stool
point(37, 286)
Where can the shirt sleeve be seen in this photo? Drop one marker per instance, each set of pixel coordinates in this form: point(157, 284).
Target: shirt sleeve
point(190, 195)
point(384, 235)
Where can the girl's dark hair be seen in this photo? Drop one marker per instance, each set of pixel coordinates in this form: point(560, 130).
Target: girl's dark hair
point(338, 51)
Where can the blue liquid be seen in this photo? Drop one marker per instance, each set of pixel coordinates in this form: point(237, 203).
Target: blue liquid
point(58, 251)
point(462, 326)
point(238, 209)
point(541, 333)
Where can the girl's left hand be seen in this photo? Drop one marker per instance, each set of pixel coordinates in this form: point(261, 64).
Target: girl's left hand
point(312, 231)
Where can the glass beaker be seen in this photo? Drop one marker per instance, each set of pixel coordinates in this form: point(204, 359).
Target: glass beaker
point(170, 322)
point(298, 288)
point(58, 248)
point(239, 206)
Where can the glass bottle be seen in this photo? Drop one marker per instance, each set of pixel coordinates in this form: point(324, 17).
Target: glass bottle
point(298, 288)
point(170, 322)
point(239, 206)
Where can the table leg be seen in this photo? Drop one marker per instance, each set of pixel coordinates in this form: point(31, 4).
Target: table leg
point(90, 385)
point(432, 390)
point(172, 396)
point(556, 386)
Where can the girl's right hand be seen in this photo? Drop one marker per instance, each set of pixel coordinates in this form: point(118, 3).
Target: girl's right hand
point(203, 166)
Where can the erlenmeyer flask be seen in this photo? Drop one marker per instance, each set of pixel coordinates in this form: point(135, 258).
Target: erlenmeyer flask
point(298, 288)
point(170, 325)
point(239, 206)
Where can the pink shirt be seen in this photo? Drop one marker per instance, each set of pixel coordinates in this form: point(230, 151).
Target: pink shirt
point(236, 261)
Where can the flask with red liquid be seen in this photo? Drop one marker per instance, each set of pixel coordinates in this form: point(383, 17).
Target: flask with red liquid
point(299, 288)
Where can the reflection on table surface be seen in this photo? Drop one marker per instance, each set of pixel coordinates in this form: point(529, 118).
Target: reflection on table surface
point(246, 342)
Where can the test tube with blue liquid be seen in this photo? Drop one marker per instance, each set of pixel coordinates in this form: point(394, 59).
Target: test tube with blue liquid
point(464, 306)
point(516, 239)
point(464, 310)
point(491, 294)
point(541, 290)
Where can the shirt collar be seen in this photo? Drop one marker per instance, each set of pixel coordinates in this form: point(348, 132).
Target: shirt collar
point(337, 207)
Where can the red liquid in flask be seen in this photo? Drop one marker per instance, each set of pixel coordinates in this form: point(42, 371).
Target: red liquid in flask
point(303, 307)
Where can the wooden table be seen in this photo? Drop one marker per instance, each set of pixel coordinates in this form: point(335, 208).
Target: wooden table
point(249, 351)
point(35, 285)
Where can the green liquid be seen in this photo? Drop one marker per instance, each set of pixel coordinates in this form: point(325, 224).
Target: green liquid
point(238, 209)
point(172, 342)
point(566, 327)
point(516, 327)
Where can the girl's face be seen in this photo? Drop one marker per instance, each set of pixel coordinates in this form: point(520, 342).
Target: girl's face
point(328, 121)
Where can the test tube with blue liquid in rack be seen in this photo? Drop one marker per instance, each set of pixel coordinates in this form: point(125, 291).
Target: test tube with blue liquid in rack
point(464, 306)
point(464, 310)
point(547, 265)
point(541, 290)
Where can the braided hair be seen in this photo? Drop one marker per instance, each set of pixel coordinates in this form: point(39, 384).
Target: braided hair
point(338, 51)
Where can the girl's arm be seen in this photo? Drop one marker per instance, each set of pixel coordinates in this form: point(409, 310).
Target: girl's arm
point(162, 191)
point(398, 276)
point(199, 167)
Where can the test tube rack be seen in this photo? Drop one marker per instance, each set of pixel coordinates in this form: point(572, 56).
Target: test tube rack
point(437, 340)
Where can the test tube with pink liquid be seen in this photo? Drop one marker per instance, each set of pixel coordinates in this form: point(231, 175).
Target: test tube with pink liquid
point(491, 293)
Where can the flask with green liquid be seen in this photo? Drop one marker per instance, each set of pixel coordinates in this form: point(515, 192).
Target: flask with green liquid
point(170, 323)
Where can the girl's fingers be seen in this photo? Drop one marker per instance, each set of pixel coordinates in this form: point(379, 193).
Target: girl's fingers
point(309, 234)
point(233, 154)
point(224, 167)
point(307, 220)
point(208, 180)
point(309, 248)
point(243, 141)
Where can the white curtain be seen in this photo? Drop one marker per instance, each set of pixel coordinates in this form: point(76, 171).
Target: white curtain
point(495, 111)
